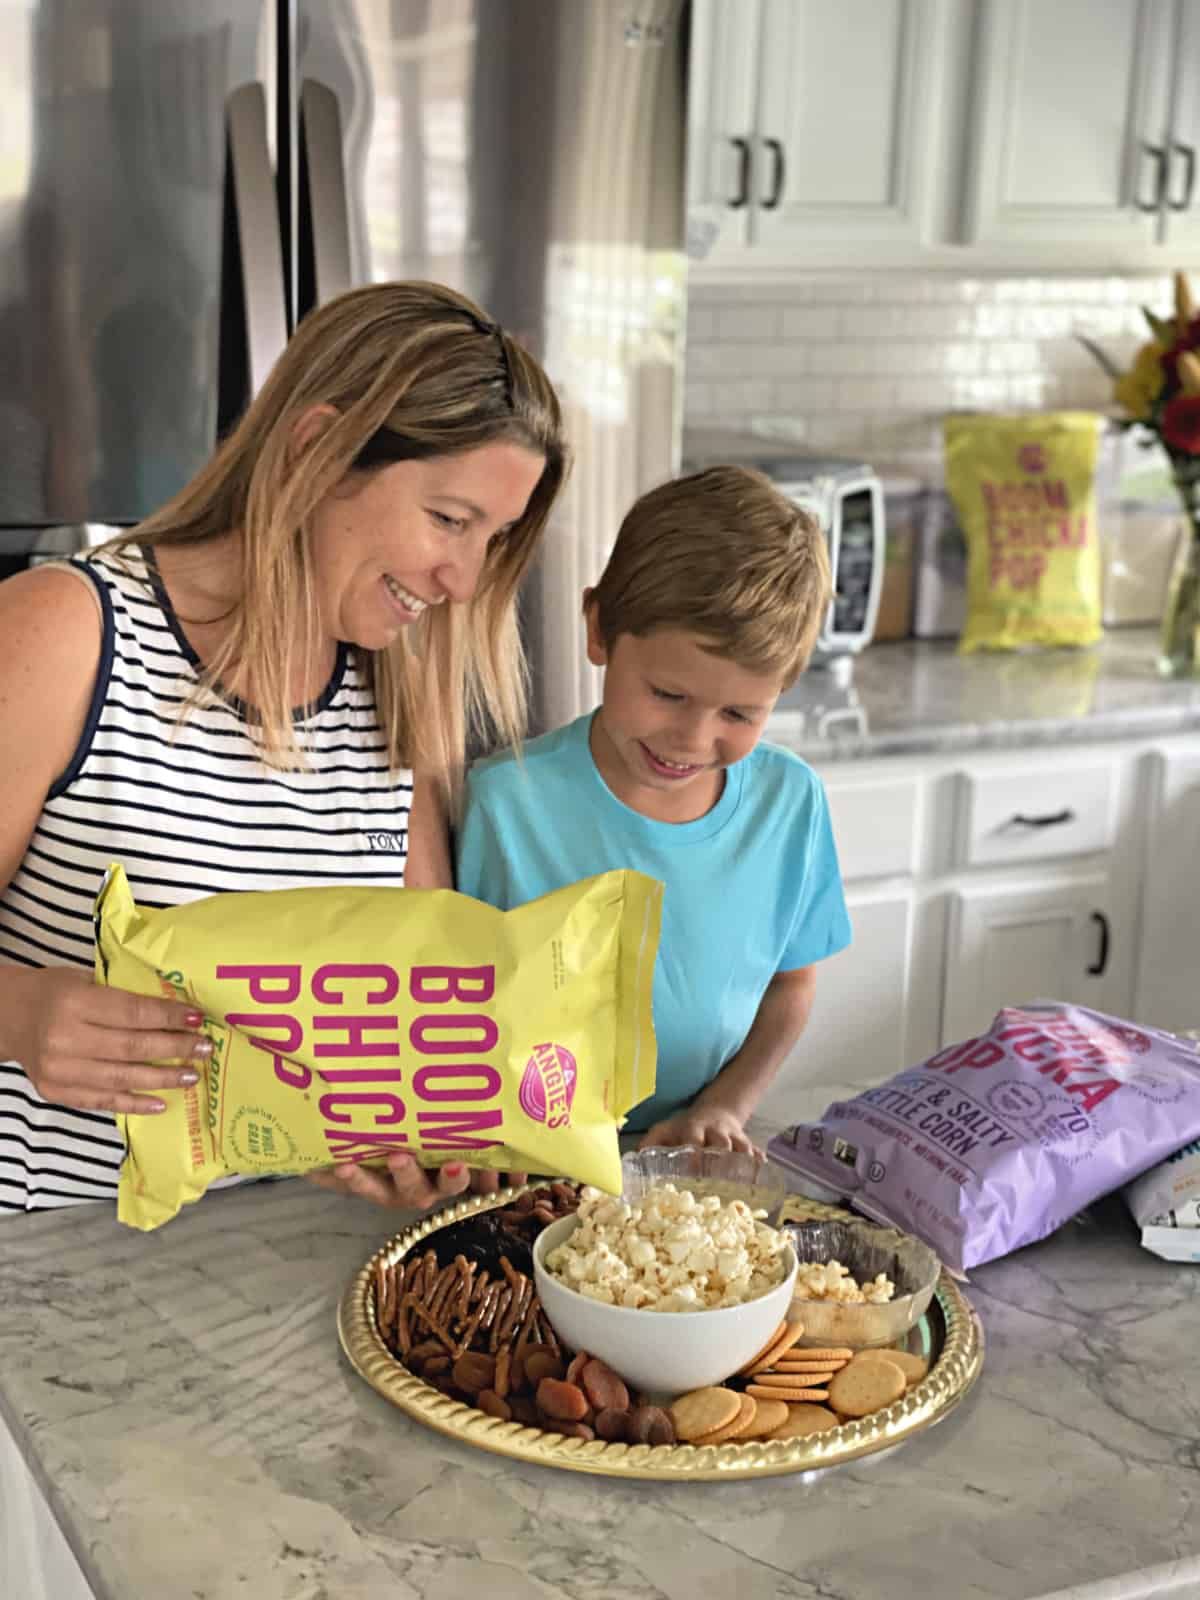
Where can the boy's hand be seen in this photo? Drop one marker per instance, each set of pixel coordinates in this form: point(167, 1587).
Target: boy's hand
point(708, 1127)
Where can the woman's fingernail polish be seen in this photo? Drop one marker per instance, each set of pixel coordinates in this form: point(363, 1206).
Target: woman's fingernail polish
point(194, 1019)
point(202, 1049)
point(186, 1079)
point(455, 1169)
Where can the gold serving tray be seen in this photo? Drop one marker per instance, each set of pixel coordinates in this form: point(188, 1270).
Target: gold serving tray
point(950, 1321)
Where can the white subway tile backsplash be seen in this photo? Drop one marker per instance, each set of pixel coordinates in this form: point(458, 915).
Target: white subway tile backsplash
point(869, 364)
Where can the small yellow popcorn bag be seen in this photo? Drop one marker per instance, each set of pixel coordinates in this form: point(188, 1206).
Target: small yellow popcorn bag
point(350, 1023)
point(1023, 488)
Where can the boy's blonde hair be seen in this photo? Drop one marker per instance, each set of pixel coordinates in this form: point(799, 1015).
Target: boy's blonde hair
point(411, 370)
point(726, 557)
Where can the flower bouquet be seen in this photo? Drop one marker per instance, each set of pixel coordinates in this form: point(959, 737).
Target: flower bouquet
point(1160, 394)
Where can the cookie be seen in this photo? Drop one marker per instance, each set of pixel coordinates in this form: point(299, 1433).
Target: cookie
point(768, 1415)
point(703, 1411)
point(792, 1331)
point(866, 1386)
point(913, 1367)
point(804, 1419)
point(732, 1431)
point(790, 1395)
point(830, 1364)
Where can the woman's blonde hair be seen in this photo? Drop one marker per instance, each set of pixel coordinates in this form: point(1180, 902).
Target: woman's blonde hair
point(724, 556)
point(412, 370)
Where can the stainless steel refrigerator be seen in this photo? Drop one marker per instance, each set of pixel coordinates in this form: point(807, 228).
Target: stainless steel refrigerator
point(180, 180)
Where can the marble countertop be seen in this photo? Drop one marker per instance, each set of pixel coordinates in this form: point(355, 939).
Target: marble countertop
point(918, 697)
point(182, 1400)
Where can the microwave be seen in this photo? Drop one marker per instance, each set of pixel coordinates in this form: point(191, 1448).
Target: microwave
point(846, 498)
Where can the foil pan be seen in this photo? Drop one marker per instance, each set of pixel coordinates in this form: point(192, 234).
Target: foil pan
point(949, 1335)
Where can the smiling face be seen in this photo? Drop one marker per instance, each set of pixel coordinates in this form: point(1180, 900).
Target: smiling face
point(389, 543)
point(674, 716)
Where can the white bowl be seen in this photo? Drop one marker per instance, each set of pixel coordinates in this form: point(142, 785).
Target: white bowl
point(659, 1352)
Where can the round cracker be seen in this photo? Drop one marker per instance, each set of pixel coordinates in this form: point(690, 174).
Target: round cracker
point(788, 1380)
point(866, 1386)
point(913, 1367)
point(769, 1415)
point(805, 1419)
point(792, 1332)
point(732, 1431)
point(824, 1352)
point(770, 1345)
point(790, 1395)
point(704, 1411)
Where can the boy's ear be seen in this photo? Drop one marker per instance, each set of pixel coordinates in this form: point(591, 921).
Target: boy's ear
point(597, 654)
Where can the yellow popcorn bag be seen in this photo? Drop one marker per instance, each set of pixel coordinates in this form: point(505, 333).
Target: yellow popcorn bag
point(349, 1023)
point(1023, 488)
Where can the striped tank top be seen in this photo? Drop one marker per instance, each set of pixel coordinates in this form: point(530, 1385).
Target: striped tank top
point(188, 810)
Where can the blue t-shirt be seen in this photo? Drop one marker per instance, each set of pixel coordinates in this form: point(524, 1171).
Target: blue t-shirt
point(752, 887)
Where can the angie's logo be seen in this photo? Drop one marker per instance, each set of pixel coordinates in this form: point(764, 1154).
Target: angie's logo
point(548, 1085)
point(390, 844)
point(1032, 458)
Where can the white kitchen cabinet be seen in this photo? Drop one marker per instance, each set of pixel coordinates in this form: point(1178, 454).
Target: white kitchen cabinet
point(812, 126)
point(1023, 941)
point(844, 127)
point(1181, 144)
point(1069, 100)
point(722, 90)
point(1168, 976)
point(856, 1034)
point(995, 878)
point(1008, 134)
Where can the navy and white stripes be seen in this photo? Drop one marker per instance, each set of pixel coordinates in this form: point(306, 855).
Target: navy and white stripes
point(188, 809)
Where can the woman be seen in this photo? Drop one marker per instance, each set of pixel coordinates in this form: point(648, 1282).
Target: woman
point(354, 550)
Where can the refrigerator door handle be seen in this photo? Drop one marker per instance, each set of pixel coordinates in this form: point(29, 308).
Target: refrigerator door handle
point(326, 219)
point(257, 212)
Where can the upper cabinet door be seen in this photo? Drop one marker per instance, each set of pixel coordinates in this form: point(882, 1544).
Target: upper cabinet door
point(722, 112)
point(1181, 198)
point(1069, 113)
point(847, 105)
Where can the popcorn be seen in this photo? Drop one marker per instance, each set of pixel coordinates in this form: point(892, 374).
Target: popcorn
point(832, 1281)
point(672, 1251)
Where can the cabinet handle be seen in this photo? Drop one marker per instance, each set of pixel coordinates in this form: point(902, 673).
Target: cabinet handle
point(1101, 960)
point(742, 146)
point(778, 172)
point(1049, 819)
point(1160, 178)
point(1188, 152)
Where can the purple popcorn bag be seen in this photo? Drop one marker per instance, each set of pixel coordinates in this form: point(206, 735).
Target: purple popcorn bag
point(993, 1143)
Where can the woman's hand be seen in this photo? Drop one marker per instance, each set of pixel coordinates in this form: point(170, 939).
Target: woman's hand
point(404, 1185)
point(86, 1046)
point(401, 1185)
point(711, 1128)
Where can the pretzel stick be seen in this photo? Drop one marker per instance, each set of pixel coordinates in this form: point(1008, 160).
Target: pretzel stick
point(550, 1335)
point(438, 1301)
point(527, 1322)
point(512, 1321)
point(430, 1321)
point(502, 1307)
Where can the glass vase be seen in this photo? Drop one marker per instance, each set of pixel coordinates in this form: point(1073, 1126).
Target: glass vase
point(1179, 642)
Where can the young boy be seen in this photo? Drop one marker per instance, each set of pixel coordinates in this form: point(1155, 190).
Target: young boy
point(707, 610)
